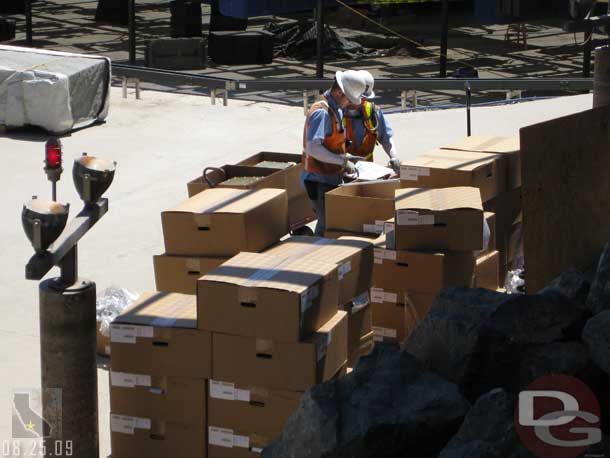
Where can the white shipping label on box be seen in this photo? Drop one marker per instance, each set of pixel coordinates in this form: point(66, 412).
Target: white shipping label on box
point(242, 395)
point(380, 333)
point(373, 228)
point(389, 254)
point(220, 436)
point(377, 295)
point(412, 173)
point(413, 218)
point(126, 380)
point(308, 297)
point(222, 390)
point(241, 441)
point(125, 333)
point(125, 424)
point(344, 269)
point(392, 298)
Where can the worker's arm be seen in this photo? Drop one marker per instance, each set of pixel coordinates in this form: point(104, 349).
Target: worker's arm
point(386, 138)
point(319, 125)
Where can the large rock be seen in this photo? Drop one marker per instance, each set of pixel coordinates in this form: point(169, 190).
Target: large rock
point(599, 296)
point(573, 284)
point(387, 407)
point(488, 430)
point(478, 339)
point(596, 336)
point(445, 340)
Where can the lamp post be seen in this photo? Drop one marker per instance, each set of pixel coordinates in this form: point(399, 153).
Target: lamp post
point(67, 305)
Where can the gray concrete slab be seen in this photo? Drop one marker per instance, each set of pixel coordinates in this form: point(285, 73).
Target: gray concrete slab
point(160, 143)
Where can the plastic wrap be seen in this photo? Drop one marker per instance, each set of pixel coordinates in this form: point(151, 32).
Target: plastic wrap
point(515, 282)
point(486, 238)
point(111, 304)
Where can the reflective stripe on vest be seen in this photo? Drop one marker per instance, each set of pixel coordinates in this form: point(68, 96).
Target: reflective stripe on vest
point(335, 142)
point(367, 147)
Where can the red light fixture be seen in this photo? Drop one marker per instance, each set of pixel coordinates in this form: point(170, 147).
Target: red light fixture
point(53, 154)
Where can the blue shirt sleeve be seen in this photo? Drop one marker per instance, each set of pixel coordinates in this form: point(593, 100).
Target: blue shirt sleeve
point(383, 128)
point(319, 125)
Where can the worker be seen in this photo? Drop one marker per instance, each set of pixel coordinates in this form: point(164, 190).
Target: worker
point(324, 156)
point(365, 126)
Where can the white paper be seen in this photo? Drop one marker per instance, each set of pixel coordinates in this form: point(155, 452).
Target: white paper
point(122, 379)
point(256, 450)
point(370, 171)
point(143, 423)
point(220, 436)
point(390, 254)
point(392, 298)
point(222, 390)
point(378, 261)
point(122, 333)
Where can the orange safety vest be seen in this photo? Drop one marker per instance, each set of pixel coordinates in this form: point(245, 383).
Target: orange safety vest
point(365, 150)
point(335, 142)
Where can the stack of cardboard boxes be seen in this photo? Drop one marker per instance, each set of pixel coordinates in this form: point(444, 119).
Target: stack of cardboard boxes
point(207, 229)
point(265, 170)
point(276, 331)
point(160, 366)
point(354, 260)
point(506, 204)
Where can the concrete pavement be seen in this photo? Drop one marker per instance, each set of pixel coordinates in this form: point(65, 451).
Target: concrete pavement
point(160, 143)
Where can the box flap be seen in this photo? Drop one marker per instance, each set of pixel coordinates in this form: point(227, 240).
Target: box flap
point(164, 310)
point(263, 271)
point(438, 199)
point(487, 144)
point(226, 200)
point(451, 159)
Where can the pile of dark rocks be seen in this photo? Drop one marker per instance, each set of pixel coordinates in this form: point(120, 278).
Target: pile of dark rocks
point(452, 390)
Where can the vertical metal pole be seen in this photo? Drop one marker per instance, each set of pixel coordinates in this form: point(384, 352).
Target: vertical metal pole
point(54, 191)
point(444, 38)
point(586, 62)
point(320, 38)
point(29, 33)
point(131, 12)
point(68, 368)
point(468, 101)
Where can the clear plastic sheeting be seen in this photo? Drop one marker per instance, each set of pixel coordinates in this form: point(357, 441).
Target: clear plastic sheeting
point(56, 91)
point(111, 304)
point(515, 282)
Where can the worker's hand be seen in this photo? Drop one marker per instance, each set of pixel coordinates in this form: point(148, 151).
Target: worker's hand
point(395, 164)
point(350, 168)
point(352, 158)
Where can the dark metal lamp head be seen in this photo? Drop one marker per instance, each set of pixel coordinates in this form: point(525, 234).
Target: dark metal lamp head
point(43, 221)
point(92, 177)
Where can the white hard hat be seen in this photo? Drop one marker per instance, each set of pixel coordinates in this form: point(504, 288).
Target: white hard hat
point(370, 84)
point(352, 84)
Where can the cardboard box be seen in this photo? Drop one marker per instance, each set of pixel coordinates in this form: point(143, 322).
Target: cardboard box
point(439, 219)
point(367, 343)
point(361, 207)
point(300, 211)
point(295, 366)
point(264, 296)
point(331, 234)
point(397, 313)
point(421, 271)
point(354, 259)
point(490, 219)
point(449, 168)
point(359, 323)
point(221, 177)
point(234, 443)
point(158, 336)
point(179, 274)
point(135, 437)
point(224, 221)
point(251, 408)
point(487, 271)
point(509, 146)
point(175, 399)
point(292, 174)
point(102, 341)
